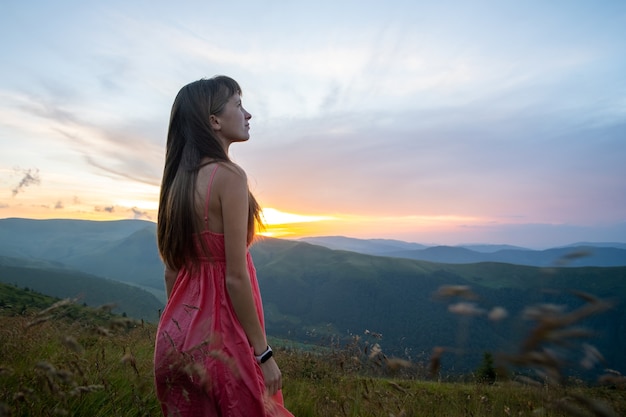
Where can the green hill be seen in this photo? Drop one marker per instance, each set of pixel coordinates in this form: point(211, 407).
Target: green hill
point(133, 259)
point(313, 292)
point(38, 308)
point(88, 289)
point(123, 250)
point(20, 301)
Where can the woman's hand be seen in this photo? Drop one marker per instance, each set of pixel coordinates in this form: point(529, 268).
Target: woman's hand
point(272, 375)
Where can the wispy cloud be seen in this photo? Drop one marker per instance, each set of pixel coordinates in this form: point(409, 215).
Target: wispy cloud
point(138, 214)
point(29, 177)
point(115, 150)
point(125, 211)
point(107, 209)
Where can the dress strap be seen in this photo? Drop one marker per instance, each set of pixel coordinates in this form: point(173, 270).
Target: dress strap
point(208, 195)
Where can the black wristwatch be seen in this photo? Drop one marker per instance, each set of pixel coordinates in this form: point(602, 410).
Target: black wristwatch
point(263, 357)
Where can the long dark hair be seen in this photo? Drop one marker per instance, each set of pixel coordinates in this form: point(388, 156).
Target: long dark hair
point(190, 138)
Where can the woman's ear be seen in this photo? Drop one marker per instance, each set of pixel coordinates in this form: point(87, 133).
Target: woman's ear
point(214, 121)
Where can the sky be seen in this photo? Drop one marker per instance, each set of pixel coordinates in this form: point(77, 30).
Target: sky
point(449, 122)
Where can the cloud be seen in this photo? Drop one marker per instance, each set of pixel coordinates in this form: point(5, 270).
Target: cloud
point(475, 161)
point(46, 108)
point(58, 205)
point(121, 151)
point(108, 209)
point(124, 148)
point(3, 205)
point(138, 214)
point(30, 177)
point(130, 169)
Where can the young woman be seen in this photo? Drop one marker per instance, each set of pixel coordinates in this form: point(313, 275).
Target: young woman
point(211, 355)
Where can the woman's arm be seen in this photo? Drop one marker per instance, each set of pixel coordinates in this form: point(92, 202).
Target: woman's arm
point(234, 202)
point(170, 279)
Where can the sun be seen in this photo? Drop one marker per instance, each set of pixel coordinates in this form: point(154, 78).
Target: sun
point(279, 223)
point(274, 217)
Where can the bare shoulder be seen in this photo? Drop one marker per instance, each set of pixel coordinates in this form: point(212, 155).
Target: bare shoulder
point(227, 170)
point(231, 173)
point(233, 169)
point(230, 178)
point(222, 177)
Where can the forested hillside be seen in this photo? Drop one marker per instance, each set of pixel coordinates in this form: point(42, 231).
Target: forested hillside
point(313, 292)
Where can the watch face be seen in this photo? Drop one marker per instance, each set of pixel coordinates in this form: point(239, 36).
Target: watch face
point(266, 356)
point(263, 357)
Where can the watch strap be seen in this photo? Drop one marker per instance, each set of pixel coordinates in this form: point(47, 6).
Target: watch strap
point(263, 357)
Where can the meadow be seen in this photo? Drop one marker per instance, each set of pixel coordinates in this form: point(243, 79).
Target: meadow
point(58, 358)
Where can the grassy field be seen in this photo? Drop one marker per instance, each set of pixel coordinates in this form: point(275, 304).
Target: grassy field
point(66, 360)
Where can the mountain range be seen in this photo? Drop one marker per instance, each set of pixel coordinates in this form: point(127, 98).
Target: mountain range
point(573, 255)
point(315, 294)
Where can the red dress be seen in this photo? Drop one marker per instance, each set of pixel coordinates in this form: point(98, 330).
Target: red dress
point(204, 364)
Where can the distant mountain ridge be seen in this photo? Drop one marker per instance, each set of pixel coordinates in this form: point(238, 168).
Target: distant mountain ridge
point(574, 255)
point(368, 246)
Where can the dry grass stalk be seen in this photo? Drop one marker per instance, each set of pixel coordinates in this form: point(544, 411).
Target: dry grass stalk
point(464, 308)
point(435, 361)
point(38, 321)
point(85, 388)
point(613, 378)
point(107, 308)
point(57, 305)
point(130, 359)
point(103, 331)
point(449, 291)
point(397, 387)
point(552, 326)
point(572, 256)
point(578, 405)
point(123, 323)
point(72, 344)
point(394, 364)
point(497, 313)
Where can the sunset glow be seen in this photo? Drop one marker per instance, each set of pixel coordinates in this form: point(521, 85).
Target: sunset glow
point(273, 216)
point(280, 224)
point(291, 225)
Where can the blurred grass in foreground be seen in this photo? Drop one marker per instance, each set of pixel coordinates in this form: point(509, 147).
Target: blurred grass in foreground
point(66, 360)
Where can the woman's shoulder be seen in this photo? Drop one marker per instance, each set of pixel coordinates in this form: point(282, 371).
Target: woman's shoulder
point(232, 168)
point(223, 175)
point(225, 168)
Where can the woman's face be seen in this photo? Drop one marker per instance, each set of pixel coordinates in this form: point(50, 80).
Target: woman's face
point(232, 124)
